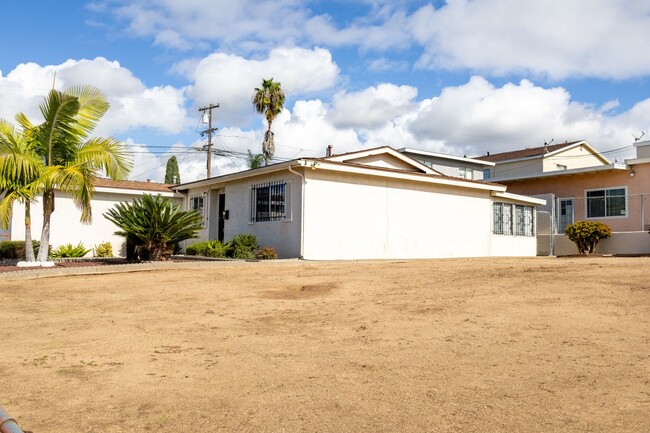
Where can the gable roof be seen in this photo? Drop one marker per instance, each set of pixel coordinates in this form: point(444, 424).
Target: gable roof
point(384, 153)
point(446, 156)
point(529, 152)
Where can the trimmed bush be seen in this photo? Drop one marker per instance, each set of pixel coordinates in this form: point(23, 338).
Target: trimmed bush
point(243, 246)
point(208, 249)
point(69, 250)
point(15, 250)
point(104, 249)
point(587, 234)
point(266, 253)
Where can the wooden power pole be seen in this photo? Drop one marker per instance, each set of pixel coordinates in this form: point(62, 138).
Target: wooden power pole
point(209, 131)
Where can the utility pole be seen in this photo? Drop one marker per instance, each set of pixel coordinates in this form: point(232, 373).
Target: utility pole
point(209, 131)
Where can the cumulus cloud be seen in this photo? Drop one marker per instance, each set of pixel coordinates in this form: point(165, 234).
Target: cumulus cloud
point(133, 105)
point(230, 79)
point(593, 38)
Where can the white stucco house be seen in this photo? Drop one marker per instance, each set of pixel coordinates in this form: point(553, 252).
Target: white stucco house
point(65, 225)
point(372, 204)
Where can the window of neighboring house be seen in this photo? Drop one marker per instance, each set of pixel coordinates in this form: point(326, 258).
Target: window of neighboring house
point(511, 219)
point(269, 202)
point(606, 203)
point(196, 202)
point(486, 173)
point(465, 172)
point(560, 167)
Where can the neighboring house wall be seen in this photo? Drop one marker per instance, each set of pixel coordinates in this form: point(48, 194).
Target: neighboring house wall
point(571, 158)
point(454, 166)
point(576, 187)
point(66, 227)
point(517, 168)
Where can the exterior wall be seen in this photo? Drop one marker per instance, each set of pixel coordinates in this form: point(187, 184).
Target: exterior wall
point(349, 216)
point(517, 168)
point(569, 186)
point(284, 236)
point(619, 243)
point(384, 161)
point(65, 226)
point(576, 157)
point(643, 149)
point(449, 167)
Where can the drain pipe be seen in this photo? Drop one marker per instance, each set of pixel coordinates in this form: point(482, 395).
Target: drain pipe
point(302, 210)
point(8, 424)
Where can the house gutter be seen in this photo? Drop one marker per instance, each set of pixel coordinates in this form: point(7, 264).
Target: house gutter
point(7, 423)
point(302, 209)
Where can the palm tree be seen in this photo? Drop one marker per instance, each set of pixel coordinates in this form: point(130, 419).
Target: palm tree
point(268, 100)
point(254, 160)
point(153, 224)
point(71, 159)
point(20, 168)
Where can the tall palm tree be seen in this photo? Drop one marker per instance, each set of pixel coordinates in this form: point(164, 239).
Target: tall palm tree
point(72, 160)
point(20, 168)
point(269, 101)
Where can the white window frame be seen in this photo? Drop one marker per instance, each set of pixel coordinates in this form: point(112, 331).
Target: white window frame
point(512, 220)
point(605, 189)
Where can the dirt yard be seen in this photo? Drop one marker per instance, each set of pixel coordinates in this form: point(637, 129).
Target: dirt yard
point(487, 345)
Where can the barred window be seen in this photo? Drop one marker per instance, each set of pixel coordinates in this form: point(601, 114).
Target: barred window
point(197, 203)
point(606, 203)
point(268, 202)
point(510, 219)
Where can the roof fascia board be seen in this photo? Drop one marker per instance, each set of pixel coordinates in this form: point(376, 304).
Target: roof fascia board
point(519, 198)
point(563, 172)
point(133, 191)
point(236, 176)
point(383, 150)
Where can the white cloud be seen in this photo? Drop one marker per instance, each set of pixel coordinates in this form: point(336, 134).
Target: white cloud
point(592, 38)
point(133, 105)
point(231, 80)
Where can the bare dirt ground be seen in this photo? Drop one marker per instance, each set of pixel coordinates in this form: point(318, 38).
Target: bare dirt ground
point(485, 345)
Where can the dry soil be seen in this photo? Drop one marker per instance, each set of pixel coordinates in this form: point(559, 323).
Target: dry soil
point(486, 345)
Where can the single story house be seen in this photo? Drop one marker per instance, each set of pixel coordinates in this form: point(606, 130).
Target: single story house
point(65, 221)
point(617, 194)
point(372, 204)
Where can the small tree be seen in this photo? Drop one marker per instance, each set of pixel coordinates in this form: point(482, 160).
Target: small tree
point(152, 225)
point(255, 160)
point(587, 234)
point(172, 174)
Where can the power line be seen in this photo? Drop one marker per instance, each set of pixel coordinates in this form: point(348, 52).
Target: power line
point(209, 132)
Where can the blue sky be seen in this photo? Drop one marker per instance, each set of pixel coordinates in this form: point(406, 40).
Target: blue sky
point(460, 77)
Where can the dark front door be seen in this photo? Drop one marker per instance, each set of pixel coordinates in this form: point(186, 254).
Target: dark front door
point(222, 216)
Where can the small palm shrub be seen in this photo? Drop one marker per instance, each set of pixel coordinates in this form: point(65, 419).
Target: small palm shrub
point(104, 249)
point(208, 249)
point(243, 246)
point(587, 234)
point(152, 225)
point(266, 253)
point(69, 250)
point(15, 250)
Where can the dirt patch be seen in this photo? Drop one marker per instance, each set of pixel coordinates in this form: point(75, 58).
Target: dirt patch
point(482, 345)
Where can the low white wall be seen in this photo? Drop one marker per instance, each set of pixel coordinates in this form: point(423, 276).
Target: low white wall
point(513, 246)
point(619, 243)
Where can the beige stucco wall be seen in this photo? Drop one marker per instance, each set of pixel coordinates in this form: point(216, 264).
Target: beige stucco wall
point(65, 227)
point(284, 236)
point(349, 216)
point(620, 243)
point(576, 157)
point(516, 168)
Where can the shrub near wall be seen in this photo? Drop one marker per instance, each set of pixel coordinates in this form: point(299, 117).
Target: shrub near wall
point(15, 250)
point(587, 234)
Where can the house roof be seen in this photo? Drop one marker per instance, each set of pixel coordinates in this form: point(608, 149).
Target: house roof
point(132, 184)
point(366, 154)
point(570, 172)
point(528, 152)
point(445, 156)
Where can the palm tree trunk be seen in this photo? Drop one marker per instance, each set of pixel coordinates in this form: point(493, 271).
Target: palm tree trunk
point(29, 247)
point(48, 208)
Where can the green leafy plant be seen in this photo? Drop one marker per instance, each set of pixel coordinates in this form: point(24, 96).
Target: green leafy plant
point(243, 246)
point(69, 250)
point(14, 250)
point(152, 225)
point(266, 253)
point(208, 249)
point(587, 234)
point(104, 249)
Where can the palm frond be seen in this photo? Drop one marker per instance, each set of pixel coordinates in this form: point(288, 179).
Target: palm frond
point(107, 154)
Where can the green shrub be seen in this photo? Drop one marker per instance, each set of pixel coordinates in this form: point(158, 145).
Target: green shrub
point(207, 249)
point(587, 234)
point(266, 253)
point(15, 250)
point(243, 246)
point(105, 249)
point(69, 250)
